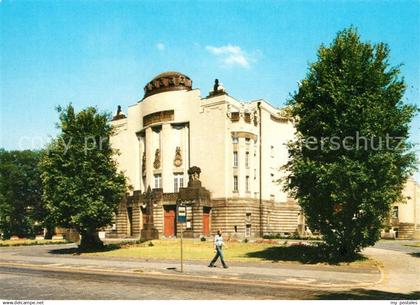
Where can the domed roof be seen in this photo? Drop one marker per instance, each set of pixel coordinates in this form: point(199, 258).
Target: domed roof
point(167, 81)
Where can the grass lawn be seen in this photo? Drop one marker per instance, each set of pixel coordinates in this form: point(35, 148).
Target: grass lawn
point(30, 242)
point(413, 245)
point(235, 251)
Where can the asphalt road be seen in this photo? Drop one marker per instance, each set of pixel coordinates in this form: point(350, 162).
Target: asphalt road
point(18, 283)
point(21, 283)
point(398, 245)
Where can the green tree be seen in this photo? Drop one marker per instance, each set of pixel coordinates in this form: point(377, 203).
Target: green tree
point(351, 156)
point(21, 210)
point(81, 184)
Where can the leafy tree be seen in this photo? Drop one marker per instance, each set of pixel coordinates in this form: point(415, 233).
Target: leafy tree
point(81, 184)
point(351, 156)
point(21, 210)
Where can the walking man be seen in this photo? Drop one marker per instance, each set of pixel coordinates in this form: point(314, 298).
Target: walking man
point(218, 244)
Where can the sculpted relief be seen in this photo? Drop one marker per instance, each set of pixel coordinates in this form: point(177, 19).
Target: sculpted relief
point(156, 163)
point(178, 157)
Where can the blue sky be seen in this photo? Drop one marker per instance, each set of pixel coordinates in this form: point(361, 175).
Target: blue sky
point(103, 52)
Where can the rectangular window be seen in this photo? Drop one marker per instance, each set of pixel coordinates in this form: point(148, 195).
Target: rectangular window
point(248, 217)
point(247, 183)
point(178, 182)
point(235, 140)
point(189, 217)
point(394, 212)
point(248, 230)
point(234, 116)
point(247, 140)
point(235, 183)
point(158, 181)
point(235, 159)
point(247, 118)
point(247, 159)
point(255, 173)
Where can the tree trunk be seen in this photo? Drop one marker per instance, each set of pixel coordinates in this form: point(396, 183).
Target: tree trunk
point(49, 232)
point(90, 240)
point(347, 250)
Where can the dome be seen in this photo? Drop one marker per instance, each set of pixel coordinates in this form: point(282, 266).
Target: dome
point(167, 81)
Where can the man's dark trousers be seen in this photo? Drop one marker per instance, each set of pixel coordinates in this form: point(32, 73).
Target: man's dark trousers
point(219, 253)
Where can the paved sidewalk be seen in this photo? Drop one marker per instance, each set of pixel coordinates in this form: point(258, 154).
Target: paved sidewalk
point(265, 273)
point(401, 269)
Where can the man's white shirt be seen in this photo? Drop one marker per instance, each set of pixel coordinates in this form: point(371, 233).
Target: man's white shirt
point(218, 240)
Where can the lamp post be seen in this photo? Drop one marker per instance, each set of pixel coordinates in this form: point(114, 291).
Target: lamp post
point(182, 218)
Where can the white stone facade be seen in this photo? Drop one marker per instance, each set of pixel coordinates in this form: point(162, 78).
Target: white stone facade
point(208, 135)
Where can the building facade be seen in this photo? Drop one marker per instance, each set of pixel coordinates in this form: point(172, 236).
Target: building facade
point(404, 217)
point(219, 157)
point(238, 147)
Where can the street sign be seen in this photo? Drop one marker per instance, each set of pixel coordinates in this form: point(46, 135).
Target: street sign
point(182, 218)
point(182, 214)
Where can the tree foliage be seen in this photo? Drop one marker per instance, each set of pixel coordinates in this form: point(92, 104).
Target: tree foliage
point(81, 184)
point(351, 156)
point(21, 209)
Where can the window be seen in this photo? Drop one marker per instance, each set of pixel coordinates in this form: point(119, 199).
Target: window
point(247, 183)
point(255, 173)
point(248, 230)
point(158, 181)
point(272, 197)
point(248, 217)
point(234, 116)
point(247, 159)
point(235, 159)
point(178, 182)
point(235, 228)
point(247, 118)
point(396, 232)
point(395, 212)
point(235, 183)
point(247, 140)
point(272, 151)
point(235, 140)
point(189, 217)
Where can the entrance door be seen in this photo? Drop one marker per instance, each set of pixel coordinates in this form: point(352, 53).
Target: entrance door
point(169, 221)
point(206, 221)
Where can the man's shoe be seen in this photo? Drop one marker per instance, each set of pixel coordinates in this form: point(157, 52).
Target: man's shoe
point(211, 266)
point(225, 267)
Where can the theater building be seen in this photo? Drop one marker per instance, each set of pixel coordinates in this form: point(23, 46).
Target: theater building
point(404, 217)
point(234, 151)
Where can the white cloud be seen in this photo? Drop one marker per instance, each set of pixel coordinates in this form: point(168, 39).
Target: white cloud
point(160, 46)
point(231, 55)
